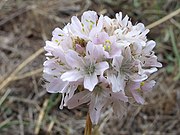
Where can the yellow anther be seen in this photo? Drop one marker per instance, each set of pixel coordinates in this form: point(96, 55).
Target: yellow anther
point(142, 83)
point(109, 47)
point(108, 41)
point(56, 40)
point(91, 25)
point(60, 35)
point(92, 22)
point(138, 90)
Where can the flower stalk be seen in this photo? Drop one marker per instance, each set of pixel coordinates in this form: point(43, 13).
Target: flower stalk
point(88, 128)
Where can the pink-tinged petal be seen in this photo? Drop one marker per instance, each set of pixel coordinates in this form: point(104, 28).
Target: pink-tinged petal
point(52, 67)
point(122, 21)
point(143, 34)
point(133, 85)
point(139, 99)
point(66, 43)
point(119, 96)
point(79, 49)
point(127, 53)
point(125, 20)
point(140, 27)
point(95, 52)
point(55, 85)
point(98, 38)
point(137, 77)
point(117, 62)
point(62, 101)
point(101, 67)
point(76, 24)
point(53, 49)
point(149, 71)
point(100, 53)
point(70, 92)
point(118, 83)
point(151, 62)
point(76, 27)
point(89, 18)
point(95, 107)
point(107, 22)
point(113, 81)
point(148, 86)
point(78, 99)
point(100, 22)
point(149, 46)
point(58, 32)
point(72, 75)
point(90, 81)
point(51, 46)
point(74, 60)
point(119, 16)
point(119, 108)
point(136, 49)
point(90, 49)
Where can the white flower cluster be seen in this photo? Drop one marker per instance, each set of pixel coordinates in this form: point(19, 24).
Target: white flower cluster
point(100, 61)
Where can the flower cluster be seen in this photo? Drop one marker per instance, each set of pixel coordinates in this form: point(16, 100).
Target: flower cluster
point(100, 61)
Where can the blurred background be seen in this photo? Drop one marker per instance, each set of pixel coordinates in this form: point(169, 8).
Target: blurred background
point(25, 106)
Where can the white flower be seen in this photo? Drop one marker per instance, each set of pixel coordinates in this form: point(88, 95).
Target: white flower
point(86, 68)
point(108, 58)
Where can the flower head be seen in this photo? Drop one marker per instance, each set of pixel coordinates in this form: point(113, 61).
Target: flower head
point(107, 57)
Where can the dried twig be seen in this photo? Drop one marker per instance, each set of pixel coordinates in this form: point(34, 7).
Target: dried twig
point(40, 117)
point(22, 65)
point(16, 14)
point(169, 16)
point(28, 74)
point(5, 96)
point(50, 126)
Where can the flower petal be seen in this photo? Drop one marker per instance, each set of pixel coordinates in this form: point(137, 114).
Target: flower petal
point(72, 75)
point(148, 86)
point(95, 107)
point(78, 99)
point(149, 46)
point(90, 81)
point(74, 60)
point(119, 96)
point(118, 83)
point(139, 99)
point(55, 85)
point(101, 67)
point(117, 61)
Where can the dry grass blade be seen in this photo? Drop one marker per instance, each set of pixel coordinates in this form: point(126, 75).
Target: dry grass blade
point(40, 117)
point(15, 14)
point(50, 126)
point(169, 16)
point(22, 65)
point(28, 74)
point(8, 120)
point(5, 96)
